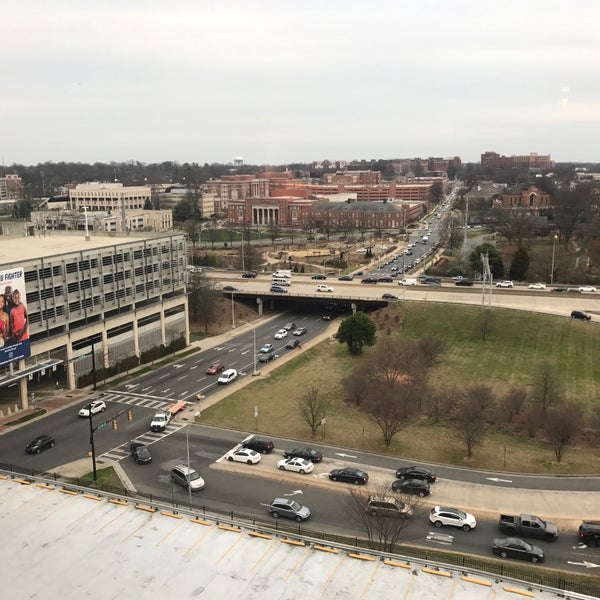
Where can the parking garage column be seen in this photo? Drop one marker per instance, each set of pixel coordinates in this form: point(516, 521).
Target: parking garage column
point(105, 357)
point(163, 329)
point(136, 341)
point(259, 302)
point(23, 387)
point(70, 366)
point(186, 312)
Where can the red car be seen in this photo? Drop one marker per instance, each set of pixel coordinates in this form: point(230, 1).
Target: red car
point(215, 368)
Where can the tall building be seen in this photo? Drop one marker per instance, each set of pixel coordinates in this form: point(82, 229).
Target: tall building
point(493, 160)
point(11, 188)
point(109, 197)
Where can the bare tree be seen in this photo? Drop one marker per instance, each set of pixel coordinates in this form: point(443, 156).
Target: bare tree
point(546, 386)
point(313, 407)
point(202, 299)
point(561, 425)
point(483, 395)
point(512, 402)
point(439, 403)
point(356, 385)
point(533, 419)
point(471, 422)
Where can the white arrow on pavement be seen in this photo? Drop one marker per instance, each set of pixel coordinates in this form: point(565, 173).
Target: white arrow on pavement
point(499, 480)
point(294, 493)
point(344, 455)
point(178, 366)
point(321, 475)
point(585, 563)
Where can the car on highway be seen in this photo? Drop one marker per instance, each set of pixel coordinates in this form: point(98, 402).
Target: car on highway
point(285, 507)
point(581, 315)
point(188, 478)
point(586, 288)
point(463, 281)
point(327, 317)
point(368, 280)
point(349, 475)
point(458, 277)
point(41, 442)
point(511, 547)
point(304, 452)
point(346, 278)
point(384, 506)
point(289, 326)
point(505, 284)
point(415, 472)
point(277, 289)
point(385, 279)
point(227, 376)
point(244, 455)
point(589, 533)
point(560, 290)
point(280, 334)
point(319, 276)
point(300, 331)
point(324, 288)
point(249, 275)
point(537, 286)
point(389, 297)
point(453, 517)
point(94, 407)
point(266, 357)
point(416, 487)
point(259, 445)
point(298, 465)
point(266, 348)
point(215, 368)
point(292, 344)
point(230, 288)
point(140, 453)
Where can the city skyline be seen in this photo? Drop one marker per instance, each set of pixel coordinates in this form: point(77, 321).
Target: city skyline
point(277, 83)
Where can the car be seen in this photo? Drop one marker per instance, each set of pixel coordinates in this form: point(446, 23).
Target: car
point(289, 326)
point(304, 452)
point(384, 506)
point(505, 284)
point(537, 286)
point(586, 288)
point(244, 455)
point(188, 478)
point(463, 281)
point(266, 357)
point(140, 453)
point(41, 442)
point(259, 445)
point(368, 280)
point(94, 407)
point(589, 533)
point(300, 331)
point(230, 288)
point(266, 348)
point(359, 273)
point(277, 289)
point(280, 334)
point(560, 290)
point(580, 314)
point(299, 465)
point(285, 507)
point(227, 376)
point(349, 475)
point(346, 278)
point(319, 276)
point(431, 281)
point(327, 317)
point(389, 297)
point(385, 279)
point(511, 547)
point(215, 368)
point(278, 240)
point(417, 487)
point(249, 275)
point(457, 277)
point(324, 288)
point(415, 472)
point(292, 344)
point(454, 517)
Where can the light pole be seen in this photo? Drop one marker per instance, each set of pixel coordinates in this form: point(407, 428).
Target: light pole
point(554, 238)
point(255, 372)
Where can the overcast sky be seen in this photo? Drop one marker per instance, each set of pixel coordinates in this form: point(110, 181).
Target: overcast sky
point(279, 81)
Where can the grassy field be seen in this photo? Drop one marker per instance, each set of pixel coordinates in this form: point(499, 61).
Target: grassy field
point(515, 344)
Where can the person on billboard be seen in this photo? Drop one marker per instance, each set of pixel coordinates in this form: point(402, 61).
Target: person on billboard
point(8, 301)
point(4, 321)
point(18, 319)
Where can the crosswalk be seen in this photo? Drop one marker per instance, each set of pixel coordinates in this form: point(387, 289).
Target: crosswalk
point(143, 400)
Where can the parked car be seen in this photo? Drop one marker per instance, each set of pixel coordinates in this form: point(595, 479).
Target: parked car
point(41, 442)
point(284, 507)
point(586, 288)
point(140, 453)
point(389, 297)
point(230, 288)
point(244, 455)
point(289, 326)
point(277, 289)
point(267, 348)
point(505, 284)
point(266, 357)
point(95, 406)
point(215, 368)
point(298, 465)
point(280, 334)
point(580, 314)
point(304, 452)
point(454, 517)
point(384, 506)
point(259, 445)
point(324, 288)
point(511, 547)
point(463, 281)
point(346, 278)
point(589, 533)
point(415, 472)
point(300, 331)
point(249, 275)
point(417, 487)
point(537, 286)
point(187, 478)
point(319, 276)
point(349, 475)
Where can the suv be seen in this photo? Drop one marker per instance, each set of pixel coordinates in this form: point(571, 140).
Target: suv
point(259, 445)
point(186, 477)
point(443, 515)
point(284, 507)
point(505, 284)
point(579, 314)
point(589, 533)
point(387, 507)
point(227, 376)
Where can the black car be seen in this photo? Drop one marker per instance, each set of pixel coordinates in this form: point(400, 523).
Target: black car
point(511, 547)
point(266, 357)
point(292, 344)
point(289, 326)
point(416, 473)
point(417, 487)
point(319, 276)
point(230, 288)
point(276, 289)
point(41, 442)
point(579, 314)
point(560, 290)
point(359, 273)
point(431, 281)
point(463, 282)
point(304, 452)
point(140, 453)
point(259, 445)
point(589, 533)
point(385, 279)
point(249, 275)
point(368, 280)
point(389, 297)
point(346, 278)
point(349, 475)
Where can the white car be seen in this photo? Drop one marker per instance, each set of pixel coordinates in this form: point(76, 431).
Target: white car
point(505, 284)
point(324, 288)
point(95, 406)
point(244, 455)
point(586, 288)
point(280, 334)
point(299, 465)
point(227, 376)
point(537, 286)
point(444, 515)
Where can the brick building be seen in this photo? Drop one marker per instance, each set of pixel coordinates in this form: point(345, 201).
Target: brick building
point(493, 160)
point(525, 196)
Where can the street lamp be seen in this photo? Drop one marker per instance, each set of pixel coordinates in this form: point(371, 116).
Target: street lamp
point(255, 372)
point(554, 238)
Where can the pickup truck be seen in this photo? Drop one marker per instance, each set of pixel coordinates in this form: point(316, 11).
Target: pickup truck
point(160, 421)
point(528, 526)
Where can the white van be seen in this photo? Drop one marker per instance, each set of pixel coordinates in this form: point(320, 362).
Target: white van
point(280, 281)
point(408, 281)
point(227, 376)
point(286, 273)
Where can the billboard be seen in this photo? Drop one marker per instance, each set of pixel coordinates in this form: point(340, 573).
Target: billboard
point(14, 324)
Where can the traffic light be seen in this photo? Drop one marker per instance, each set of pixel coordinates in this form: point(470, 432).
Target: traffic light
point(129, 415)
point(114, 424)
